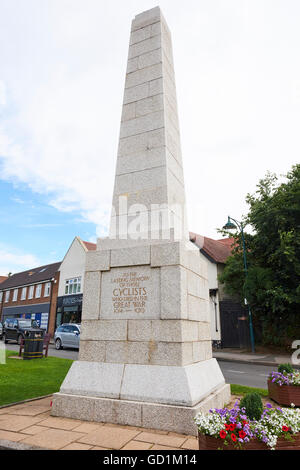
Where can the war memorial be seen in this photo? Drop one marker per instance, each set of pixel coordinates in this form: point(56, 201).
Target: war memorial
point(145, 350)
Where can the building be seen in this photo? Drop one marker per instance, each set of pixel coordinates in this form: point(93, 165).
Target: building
point(31, 294)
point(71, 282)
point(3, 278)
point(229, 319)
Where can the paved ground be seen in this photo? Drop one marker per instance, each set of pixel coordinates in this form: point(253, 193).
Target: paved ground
point(252, 375)
point(266, 358)
point(30, 424)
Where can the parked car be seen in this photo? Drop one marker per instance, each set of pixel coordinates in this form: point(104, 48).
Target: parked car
point(67, 335)
point(14, 328)
point(1, 330)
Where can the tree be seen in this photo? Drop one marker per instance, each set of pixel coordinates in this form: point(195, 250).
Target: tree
point(272, 287)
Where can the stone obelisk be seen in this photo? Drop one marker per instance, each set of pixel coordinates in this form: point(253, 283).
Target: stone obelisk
point(145, 349)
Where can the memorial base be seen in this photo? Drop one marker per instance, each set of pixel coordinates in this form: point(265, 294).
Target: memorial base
point(140, 414)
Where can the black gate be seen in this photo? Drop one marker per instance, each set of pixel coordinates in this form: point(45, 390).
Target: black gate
point(234, 325)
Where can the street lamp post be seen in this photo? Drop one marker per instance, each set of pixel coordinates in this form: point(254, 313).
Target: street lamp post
point(233, 224)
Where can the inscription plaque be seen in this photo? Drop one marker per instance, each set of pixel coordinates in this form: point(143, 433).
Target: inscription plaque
point(130, 293)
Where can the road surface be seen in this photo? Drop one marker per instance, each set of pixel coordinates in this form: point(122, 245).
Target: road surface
point(252, 375)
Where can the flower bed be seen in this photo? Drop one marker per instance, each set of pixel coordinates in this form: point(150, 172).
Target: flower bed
point(284, 388)
point(231, 429)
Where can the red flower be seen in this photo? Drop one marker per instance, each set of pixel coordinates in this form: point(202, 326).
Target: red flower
point(227, 427)
point(233, 437)
point(242, 434)
point(223, 434)
point(244, 422)
point(285, 428)
point(232, 426)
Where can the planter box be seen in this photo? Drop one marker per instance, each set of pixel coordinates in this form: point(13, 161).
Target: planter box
point(284, 394)
point(212, 443)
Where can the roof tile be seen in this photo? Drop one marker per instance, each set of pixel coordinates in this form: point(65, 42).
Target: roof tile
point(218, 250)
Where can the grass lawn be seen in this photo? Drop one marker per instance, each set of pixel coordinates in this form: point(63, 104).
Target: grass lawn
point(242, 390)
point(21, 380)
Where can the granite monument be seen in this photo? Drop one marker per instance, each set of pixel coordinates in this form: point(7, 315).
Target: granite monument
point(145, 349)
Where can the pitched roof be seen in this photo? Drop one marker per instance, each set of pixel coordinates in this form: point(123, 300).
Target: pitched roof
point(216, 250)
point(3, 278)
point(42, 273)
point(90, 246)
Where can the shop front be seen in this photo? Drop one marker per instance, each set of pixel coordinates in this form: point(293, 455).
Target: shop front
point(37, 312)
point(68, 309)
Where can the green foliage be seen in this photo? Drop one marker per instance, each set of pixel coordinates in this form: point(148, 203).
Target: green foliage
point(272, 286)
point(243, 390)
point(253, 404)
point(285, 368)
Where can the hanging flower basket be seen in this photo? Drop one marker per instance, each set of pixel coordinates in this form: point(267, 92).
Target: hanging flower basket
point(224, 429)
point(285, 388)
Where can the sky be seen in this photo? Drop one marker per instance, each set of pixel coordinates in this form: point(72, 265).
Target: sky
point(62, 72)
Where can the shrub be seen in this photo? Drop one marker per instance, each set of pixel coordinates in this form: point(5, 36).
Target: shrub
point(253, 405)
point(285, 369)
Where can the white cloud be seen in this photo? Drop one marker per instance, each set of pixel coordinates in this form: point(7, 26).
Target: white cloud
point(63, 66)
point(16, 262)
point(2, 93)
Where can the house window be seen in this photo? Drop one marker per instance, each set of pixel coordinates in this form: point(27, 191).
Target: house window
point(15, 295)
point(30, 293)
point(73, 286)
point(47, 289)
point(1, 296)
point(23, 295)
point(7, 296)
point(38, 291)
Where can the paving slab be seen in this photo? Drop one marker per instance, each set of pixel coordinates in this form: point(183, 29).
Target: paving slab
point(53, 439)
point(17, 423)
point(21, 431)
point(167, 440)
point(113, 438)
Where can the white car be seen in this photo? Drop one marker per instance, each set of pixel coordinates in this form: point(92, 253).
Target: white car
point(67, 335)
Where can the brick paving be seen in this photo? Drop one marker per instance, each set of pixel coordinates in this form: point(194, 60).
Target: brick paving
point(31, 424)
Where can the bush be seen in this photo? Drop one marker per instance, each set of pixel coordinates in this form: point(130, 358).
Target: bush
point(285, 369)
point(253, 405)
